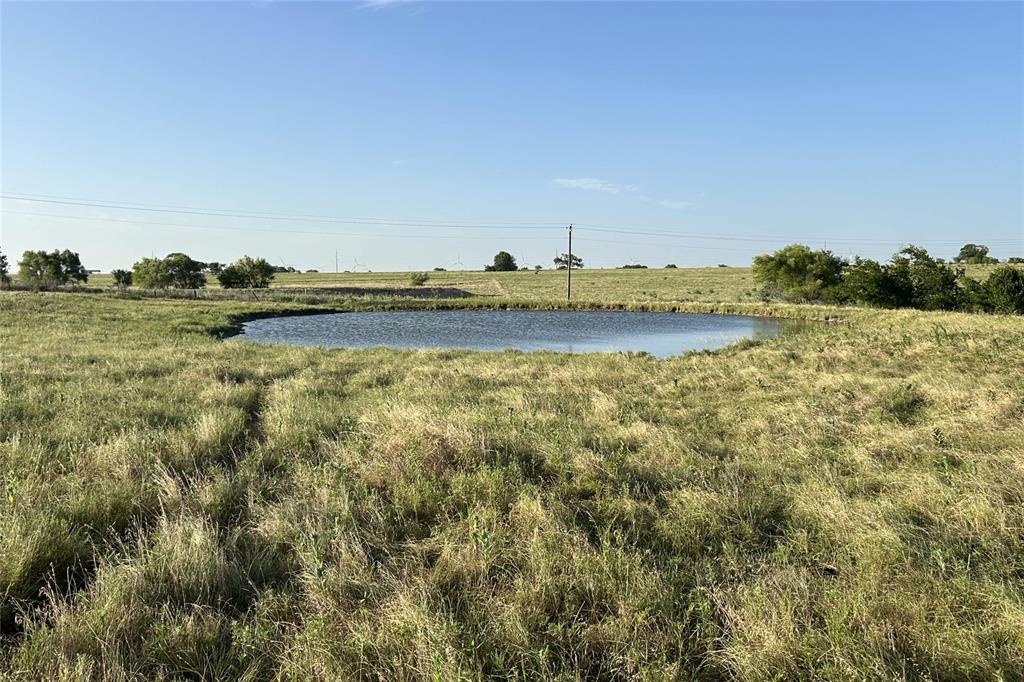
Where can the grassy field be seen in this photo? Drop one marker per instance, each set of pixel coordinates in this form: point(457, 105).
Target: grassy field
point(601, 287)
point(843, 503)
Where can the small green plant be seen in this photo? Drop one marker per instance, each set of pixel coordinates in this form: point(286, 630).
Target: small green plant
point(418, 279)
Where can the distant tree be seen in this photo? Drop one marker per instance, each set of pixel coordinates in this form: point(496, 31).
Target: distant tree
point(974, 254)
point(503, 262)
point(562, 262)
point(418, 279)
point(247, 273)
point(523, 268)
point(214, 268)
point(439, 270)
point(538, 268)
point(632, 266)
point(312, 270)
point(152, 273)
point(1004, 290)
point(671, 266)
point(722, 265)
point(5, 277)
point(184, 272)
point(1015, 259)
point(39, 268)
point(799, 274)
point(122, 278)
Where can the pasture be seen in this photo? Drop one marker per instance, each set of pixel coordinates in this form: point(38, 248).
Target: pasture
point(843, 503)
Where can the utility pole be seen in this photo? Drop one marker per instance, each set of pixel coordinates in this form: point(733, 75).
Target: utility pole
point(335, 261)
point(568, 281)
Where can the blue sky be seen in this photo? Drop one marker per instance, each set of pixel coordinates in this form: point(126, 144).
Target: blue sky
point(727, 129)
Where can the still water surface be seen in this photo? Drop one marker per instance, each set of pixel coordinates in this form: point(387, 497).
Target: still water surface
point(660, 334)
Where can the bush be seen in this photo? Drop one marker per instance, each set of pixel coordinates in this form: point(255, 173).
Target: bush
point(418, 279)
point(122, 278)
point(176, 270)
point(932, 285)
point(247, 273)
point(871, 283)
point(503, 262)
point(1004, 290)
point(41, 269)
point(671, 266)
point(151, 273)
point(633, 267)
point(799, 274)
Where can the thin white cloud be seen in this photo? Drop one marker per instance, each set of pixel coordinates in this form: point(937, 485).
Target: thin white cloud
point(590, 184)
point(378, 4)
point(599, 185)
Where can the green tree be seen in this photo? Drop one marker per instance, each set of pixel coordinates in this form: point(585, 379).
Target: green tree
point(42, 269)
point(1004, 290)
point(5, 277)
point(562, 262)
point(799, 274)
point(122, 278)
point(151, 273)
point(503, 262)
point(871, 283)
point(184, 272)
point(974, 254)
point(934, 285)
point(247, 273)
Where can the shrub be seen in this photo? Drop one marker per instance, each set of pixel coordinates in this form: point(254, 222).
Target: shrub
point(671, 266)
point(247, 273)
point(418, 279)
point(439, 270)
point(871, 283)
point(933, 285)
point(38, 268)
point(151, 273)
point(503, 262)
point(799, 274)
point(1004, 290)
point(122, 278)
point(634, 266)
point(176, 270)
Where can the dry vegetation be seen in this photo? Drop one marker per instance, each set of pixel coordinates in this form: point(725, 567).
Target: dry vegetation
point(844, 503)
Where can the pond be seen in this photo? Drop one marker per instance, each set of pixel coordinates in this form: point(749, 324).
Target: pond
point(660, 334)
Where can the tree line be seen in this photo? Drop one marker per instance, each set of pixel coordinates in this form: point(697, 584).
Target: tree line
point(910, 279)
point(179, 271)
point(44, 269)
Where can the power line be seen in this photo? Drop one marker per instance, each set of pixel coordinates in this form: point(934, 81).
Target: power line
point(257, 229)
point(254, 215)
point(489, 225)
